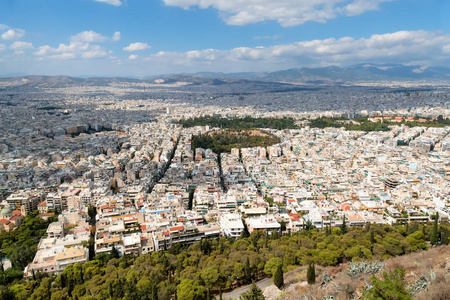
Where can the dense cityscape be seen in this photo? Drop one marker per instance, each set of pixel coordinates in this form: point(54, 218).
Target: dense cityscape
point(121, 175)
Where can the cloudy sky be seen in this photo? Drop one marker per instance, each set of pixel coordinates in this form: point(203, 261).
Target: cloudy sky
point(150, 37)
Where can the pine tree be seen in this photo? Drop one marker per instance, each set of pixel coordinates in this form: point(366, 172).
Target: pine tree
point(154, 295)
point(254, 293)
point(344, 226)
point(434, 231)
point(390, 287)
point(311, 274)
point(372, 237)
point(309, 225)
point(114, 252)
point(278, 279)
point(247, 271)
point(283, 226)
point(245, 233)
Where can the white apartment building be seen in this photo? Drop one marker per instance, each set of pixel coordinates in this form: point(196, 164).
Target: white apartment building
point(231, 225)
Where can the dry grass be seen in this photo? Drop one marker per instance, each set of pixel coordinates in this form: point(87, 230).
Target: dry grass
point(437, 291)
point(346, 287)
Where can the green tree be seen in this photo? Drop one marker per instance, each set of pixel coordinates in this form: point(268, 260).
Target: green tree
point(254, 293)
point(390, 287)
point(190, 290)
point(247, 271)
point(5, 293)
point(344, 226)
point(272, 265)
point(309, 225)
point(283, 226)
point(434, 231)
point(311, 273)
point(92, 212)
point(22, 256)
point(278, 279)
point(244, 233)
point(210, 276)
point(43, 291)
point(154, 293)
point(114, 252)
point(416, 241)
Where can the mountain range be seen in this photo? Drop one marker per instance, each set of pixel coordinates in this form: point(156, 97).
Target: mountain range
point(323, 75)
point(334, 74)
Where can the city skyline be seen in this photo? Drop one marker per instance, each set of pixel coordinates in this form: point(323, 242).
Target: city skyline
point(142, 38)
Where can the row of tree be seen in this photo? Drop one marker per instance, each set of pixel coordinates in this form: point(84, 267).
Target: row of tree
point(210, 267)
point(241, 123)
point(290, 123)
point(366, 125)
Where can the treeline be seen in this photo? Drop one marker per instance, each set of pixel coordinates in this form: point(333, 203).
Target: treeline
point(210, 267)
point(366, 125)
point(439, 122)
point(241, 123)
point(289, 123)
point(225, 140)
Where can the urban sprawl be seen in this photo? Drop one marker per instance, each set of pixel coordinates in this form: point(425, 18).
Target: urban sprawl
point(120, 149)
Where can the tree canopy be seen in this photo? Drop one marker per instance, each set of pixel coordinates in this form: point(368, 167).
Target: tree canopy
point(225, 140)
point(193, 272)
point(241, 123)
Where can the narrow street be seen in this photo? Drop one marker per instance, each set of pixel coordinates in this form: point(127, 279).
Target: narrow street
point(236, 293)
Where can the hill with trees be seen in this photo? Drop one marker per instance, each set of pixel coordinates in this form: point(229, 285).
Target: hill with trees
point(210, 267)
point(225, 140)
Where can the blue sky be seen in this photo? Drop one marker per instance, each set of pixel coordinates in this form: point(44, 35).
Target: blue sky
point(149, 37)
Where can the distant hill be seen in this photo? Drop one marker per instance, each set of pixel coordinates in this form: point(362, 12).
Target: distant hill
point(333, 74)
point(313, 76)
point(67, 81)
point(64, 81)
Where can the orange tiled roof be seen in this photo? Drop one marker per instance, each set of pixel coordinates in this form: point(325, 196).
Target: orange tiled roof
point(176, 228)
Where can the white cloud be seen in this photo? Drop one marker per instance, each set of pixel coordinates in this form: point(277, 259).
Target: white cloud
point(285, 12)
point(423, 48)
point(73, 50)
point(358, 7)
point(63, 56)
point(116, 36)
point(112, 2)
point(95, 51)
point(21, 46)
point(406, 47)
point(13, 34)
point(2, 47)
point(80, 47)
point(88, 37)
point(137, 47)
point(3, 27)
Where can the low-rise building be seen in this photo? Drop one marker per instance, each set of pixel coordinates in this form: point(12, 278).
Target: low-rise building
point(231, 225)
